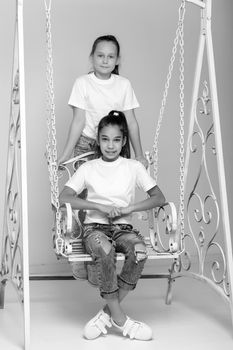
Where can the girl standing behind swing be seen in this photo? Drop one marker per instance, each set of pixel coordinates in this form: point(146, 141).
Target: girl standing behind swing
point(111, 181)
point(95, 94)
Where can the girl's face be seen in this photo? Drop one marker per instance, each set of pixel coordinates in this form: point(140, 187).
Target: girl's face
point(111, 141)
point(104, 59)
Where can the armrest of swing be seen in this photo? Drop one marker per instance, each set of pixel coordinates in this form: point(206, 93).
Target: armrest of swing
point(164, 236)
point(162, 223)
point(69, 220)
point(82, 157)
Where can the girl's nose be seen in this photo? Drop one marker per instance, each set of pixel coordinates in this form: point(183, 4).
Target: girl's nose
point(110, 144)
point(105, 59)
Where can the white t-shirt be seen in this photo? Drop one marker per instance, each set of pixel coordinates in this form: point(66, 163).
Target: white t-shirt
point(110, 183)
point(98, 97)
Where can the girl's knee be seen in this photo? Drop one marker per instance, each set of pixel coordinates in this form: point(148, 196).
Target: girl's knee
point(105, 245)
point(100, 245)
point(140, 251)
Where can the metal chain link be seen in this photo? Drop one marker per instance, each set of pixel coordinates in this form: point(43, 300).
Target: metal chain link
point(181, 42)
point(179, 39)
point(51, 145)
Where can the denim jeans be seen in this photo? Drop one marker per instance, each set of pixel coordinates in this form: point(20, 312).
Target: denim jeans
point(102, 242)
point(84, 144)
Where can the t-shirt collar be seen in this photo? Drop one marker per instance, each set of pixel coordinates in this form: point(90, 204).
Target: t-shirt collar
point(102, 81)
point(114, 163)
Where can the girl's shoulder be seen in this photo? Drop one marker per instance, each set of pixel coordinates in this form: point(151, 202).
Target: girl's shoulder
point(133, 163)
point(121, 79)
point(90, 163)
point(82, 78)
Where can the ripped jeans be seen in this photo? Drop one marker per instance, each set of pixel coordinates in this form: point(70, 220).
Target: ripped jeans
point(102, 242)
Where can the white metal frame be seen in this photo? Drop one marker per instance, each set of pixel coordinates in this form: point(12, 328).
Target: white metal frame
point(15, 262)
point(206, 40)
point(11, 265)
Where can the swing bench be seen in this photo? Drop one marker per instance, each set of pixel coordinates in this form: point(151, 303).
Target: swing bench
point(69, 243)
point(165, 229)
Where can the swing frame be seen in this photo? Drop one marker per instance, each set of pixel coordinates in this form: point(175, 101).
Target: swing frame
point(15, 268)
point(62, 244)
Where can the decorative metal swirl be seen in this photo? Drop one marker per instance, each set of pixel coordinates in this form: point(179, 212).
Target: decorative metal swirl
point(203, 213)
point(12, 259)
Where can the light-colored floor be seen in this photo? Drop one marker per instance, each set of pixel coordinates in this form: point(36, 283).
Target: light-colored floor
point(197, 318)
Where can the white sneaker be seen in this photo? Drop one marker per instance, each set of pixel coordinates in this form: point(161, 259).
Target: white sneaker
point(97, 325)
point(135, 329)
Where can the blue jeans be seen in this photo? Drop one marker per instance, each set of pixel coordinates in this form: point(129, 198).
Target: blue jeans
point(102, 242)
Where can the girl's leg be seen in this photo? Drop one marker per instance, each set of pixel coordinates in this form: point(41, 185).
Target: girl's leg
point(100, 247)
point(131, 244)
point(103, 253)
point(122, 293)
point(116, 312)
point(133, 247)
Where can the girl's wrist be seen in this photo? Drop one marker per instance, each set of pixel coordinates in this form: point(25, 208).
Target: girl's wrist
point(98, 207)
point(129, 209)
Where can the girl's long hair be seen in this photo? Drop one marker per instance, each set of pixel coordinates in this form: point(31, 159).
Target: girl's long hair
point(115, 118)
point(110, 38)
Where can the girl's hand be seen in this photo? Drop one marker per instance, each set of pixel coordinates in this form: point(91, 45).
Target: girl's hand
point(142, 160)
point(105, 209)
point(115, 212)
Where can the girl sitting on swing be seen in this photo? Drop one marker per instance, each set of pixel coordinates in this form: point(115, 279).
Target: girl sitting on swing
point(111, 181)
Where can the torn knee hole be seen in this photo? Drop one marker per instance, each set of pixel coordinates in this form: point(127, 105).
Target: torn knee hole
point(106, 246)
point(140, 252)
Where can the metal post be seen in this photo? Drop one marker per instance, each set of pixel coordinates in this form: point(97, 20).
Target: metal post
point(220, 158)
point(24, 196)
point(14, 260)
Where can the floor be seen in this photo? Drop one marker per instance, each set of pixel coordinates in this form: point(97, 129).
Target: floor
point(197, 318)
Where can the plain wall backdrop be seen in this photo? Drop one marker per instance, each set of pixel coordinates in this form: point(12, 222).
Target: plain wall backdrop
point(145, 30)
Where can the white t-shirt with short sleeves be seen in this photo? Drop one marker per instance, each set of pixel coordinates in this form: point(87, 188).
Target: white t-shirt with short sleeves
point(111, 183)
point(98, 97)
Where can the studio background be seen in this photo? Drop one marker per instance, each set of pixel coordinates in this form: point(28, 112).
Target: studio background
point(145, 30)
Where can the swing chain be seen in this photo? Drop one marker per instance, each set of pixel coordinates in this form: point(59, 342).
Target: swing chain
point(181, 42)
point(179, 39)
point(51, 146)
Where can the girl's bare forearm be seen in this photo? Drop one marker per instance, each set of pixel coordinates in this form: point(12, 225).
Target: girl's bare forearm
point(149, 203)
point(79, 203)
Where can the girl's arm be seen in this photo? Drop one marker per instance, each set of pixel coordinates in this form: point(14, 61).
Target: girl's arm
point(68, 195)
point(74, 133)
point(134, 135)
point(155, 199)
